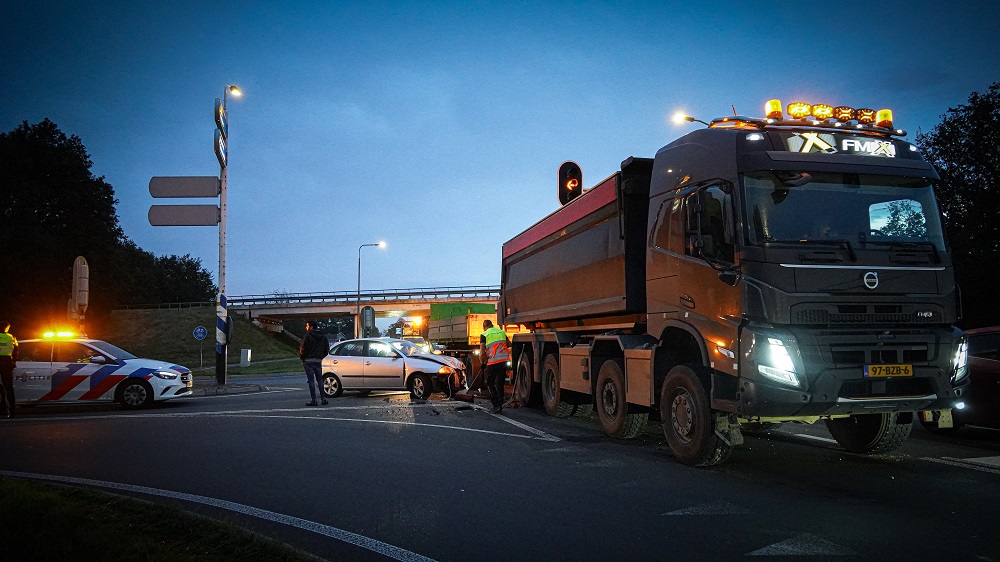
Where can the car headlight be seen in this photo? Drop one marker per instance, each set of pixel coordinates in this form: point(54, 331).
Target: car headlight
point(961, 363)
point(446, 370)
point(165, 375)
point(776, 363)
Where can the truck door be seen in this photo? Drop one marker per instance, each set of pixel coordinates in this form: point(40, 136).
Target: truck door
point(709, 304)
point(34, 370)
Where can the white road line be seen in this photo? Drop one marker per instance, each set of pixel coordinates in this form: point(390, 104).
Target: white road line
point(964, 463)
point(541, 434)
point(803, 545)
point(362, 541)
point(813, 437)
point(537, 434)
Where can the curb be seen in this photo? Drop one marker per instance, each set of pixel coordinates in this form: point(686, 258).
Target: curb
point(217, 389)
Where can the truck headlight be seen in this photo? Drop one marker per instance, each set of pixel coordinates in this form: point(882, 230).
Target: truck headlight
point(775, 363)
point(961, 363)
point(165, 375)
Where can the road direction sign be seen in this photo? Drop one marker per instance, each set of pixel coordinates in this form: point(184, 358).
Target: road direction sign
point(221, 118)
point(200, 333)
point(184, 215)
point(220, 148)
point(184, 186)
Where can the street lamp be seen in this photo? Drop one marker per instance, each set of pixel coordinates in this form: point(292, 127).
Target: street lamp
point(379, 245)
point(222, 152)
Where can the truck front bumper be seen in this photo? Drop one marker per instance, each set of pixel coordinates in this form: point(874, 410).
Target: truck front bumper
point(816, 384)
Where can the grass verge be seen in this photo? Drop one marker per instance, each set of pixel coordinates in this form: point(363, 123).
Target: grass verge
point(45, 522)
point(270, 367)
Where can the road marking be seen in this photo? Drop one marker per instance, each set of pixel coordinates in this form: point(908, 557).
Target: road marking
point(982, 464)
point(711, 508)
point(803, 545)
point(234, 395)
point(807, 436)
point(536, 434)
point(362, 541)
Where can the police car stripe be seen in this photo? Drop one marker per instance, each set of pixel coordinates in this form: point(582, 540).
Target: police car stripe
point(106, 384)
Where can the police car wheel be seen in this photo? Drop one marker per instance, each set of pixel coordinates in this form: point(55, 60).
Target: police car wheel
point(134, 394)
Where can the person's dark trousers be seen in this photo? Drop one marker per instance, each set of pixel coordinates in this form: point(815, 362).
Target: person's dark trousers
point(7, 375)
point(314, 374)
point(495, 378)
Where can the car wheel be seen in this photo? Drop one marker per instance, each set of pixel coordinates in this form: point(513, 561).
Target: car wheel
point(134, 394)
point(612, 407)
point(332, 387)
point(420, 386)
point(551, 393)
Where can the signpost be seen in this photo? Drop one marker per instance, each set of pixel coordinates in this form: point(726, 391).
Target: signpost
point(200, 333)
point(203, 215)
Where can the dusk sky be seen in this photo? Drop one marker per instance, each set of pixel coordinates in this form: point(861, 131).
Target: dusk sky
point(439, 126)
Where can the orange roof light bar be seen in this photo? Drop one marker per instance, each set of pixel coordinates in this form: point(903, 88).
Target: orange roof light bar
point(865, 115)
point(822, 111)
point(843, 113)
point(799, 110)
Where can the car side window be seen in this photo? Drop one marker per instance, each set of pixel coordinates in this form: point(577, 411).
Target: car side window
point(984, 345)
point(380, 349)
point(72, 352)
point(35, 352)
point(349, 349)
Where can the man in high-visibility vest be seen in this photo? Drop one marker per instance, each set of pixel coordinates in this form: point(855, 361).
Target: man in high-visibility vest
point(494, 351)
point(8, 358)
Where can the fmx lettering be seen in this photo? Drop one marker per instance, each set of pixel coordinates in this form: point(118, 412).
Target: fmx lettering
point(870, 147)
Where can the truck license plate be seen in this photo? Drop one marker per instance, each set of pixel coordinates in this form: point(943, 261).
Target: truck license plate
point(888, 370)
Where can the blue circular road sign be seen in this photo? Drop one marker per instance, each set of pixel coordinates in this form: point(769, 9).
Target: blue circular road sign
point(200, 333)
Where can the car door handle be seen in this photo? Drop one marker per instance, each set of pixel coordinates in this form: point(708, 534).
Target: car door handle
point(687, 301)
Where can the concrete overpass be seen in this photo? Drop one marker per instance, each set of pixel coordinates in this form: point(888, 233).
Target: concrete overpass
point(269, 310)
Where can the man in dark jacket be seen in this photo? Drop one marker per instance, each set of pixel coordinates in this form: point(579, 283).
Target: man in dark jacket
point(315, 346)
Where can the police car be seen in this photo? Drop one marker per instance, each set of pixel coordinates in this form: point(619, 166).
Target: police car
point(61, 368)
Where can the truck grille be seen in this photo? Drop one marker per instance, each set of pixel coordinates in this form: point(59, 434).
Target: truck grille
point(891, 387)
point(864, 314)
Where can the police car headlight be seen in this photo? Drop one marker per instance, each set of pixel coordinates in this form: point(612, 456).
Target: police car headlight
point(166, 375)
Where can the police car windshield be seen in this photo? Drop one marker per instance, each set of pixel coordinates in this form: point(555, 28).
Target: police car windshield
point(858, 208)
point(113, 351)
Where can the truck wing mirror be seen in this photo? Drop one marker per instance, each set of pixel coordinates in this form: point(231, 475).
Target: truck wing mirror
point(729, 276)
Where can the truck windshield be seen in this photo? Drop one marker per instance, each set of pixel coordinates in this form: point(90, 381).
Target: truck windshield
point(866, 210)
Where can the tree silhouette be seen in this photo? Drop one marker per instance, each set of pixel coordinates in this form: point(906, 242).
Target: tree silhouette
point(965, 149)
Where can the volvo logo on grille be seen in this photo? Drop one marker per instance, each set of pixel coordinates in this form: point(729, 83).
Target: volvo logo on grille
point(871, 279)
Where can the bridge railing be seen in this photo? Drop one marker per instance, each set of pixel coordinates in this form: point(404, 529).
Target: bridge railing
point(427, 294)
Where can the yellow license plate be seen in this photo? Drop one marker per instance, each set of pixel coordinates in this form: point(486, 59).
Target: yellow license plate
point(876, 371)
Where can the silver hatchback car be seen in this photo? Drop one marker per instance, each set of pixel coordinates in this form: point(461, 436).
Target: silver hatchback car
point(389, 364)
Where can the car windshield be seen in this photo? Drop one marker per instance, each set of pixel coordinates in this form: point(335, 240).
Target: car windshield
point(113, 351)
point(407, 348)
point(856, 208)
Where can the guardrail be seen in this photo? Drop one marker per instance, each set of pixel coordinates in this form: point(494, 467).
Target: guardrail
point(426, 294)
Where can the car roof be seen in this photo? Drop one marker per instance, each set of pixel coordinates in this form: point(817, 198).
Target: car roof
point(50, 340)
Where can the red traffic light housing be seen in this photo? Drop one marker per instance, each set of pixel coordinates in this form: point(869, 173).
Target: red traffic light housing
point(570, 181)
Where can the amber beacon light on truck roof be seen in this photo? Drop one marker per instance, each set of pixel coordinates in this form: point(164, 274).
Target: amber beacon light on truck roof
point(812, 115)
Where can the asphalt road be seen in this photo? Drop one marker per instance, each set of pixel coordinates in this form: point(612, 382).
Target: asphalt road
point(380, 477)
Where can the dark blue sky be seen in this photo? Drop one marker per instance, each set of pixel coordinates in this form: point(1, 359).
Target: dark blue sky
point(439, 126)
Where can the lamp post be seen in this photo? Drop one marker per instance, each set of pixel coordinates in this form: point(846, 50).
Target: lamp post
point(358, 321)
point(222, 152)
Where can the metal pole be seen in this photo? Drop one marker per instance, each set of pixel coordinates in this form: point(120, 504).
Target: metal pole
point(357, 321)
point(221, 345)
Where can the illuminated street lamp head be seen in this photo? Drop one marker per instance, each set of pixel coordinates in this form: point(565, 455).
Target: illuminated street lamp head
point(381, 244)
point(234, 90)
point(680, 118)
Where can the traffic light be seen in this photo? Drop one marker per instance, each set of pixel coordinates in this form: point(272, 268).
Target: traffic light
point(570, 181)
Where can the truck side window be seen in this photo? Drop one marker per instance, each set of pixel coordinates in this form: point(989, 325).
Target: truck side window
point(670, 220)
point(709, 221)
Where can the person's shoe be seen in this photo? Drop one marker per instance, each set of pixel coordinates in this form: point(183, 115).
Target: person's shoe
point(324, 402)
point(497, 409)
point(313, 403)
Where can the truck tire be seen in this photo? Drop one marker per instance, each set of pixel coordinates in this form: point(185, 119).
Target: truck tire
point(524, 386)
point(612, 407)
point(869, 433)
point(688, 420)
point(551, 393)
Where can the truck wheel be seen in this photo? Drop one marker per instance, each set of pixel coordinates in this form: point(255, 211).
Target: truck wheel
point(134, 394)
point(421, 386)
point(550, 389)
point(331, 386)
point(869, 433)
point(688, 420)
point(523, 383)
point(612, 408)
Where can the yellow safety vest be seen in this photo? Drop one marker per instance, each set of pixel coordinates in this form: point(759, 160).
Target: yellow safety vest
point(496, 346)
point(7, 343)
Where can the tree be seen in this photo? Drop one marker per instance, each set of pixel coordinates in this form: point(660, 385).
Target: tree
point(53, 209)
point(965, 149)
